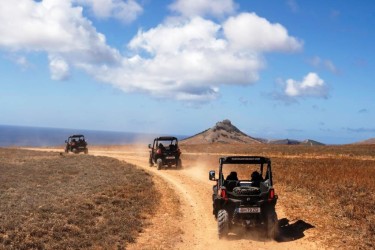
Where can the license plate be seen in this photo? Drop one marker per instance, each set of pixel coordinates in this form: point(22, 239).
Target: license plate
point(169, 157)
point(251, 210)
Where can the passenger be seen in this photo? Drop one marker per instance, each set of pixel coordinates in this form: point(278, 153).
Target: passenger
point(232, 176)
point(231, 181)
point(256, 179)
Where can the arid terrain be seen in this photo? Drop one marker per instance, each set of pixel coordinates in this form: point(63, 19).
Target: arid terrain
point(326, 197)
point(57, 201)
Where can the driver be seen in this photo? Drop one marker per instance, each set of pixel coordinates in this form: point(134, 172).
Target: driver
point(256, 179)
point(232, 176)
point(161, 146)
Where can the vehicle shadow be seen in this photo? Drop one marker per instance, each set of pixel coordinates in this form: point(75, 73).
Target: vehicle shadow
point(286, 232)
point(294, 231)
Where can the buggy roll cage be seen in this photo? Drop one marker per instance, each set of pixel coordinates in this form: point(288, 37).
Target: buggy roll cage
point(76, 136)
point(248, 160)
point(163, 138)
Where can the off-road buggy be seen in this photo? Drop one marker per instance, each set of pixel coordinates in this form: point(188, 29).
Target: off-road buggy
point(249, 201)
point(76, 144)
point(165, 152)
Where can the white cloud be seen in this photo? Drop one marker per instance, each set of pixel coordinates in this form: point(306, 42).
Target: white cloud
point(318, 62)
point(191, 8)
point(330, 66)
point(20, 60)
point(311, 86)
point(59, 68)
point(185, 61)
point(188, 59)
point(52, 26)
point(174, 37)
point(182, 58)
point(123, 10)
point(315, 61)
point(248, 31)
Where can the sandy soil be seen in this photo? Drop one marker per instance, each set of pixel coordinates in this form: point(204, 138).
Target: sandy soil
point(194, 226)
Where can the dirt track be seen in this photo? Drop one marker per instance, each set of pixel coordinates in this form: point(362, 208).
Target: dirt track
point(195, 227)
point(199, 228)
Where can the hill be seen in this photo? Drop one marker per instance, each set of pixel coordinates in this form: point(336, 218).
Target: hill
point(311, 143)
point(368, 141)
point(284, 142)
point(225, 132)
point(222, 132)
point(295, 142)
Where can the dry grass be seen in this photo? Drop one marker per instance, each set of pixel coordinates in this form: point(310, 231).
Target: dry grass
point(330, 187)
point(339, 193)
point(53, 201)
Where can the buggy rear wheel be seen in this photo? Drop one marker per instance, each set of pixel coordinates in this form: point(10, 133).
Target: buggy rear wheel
point(222, 223)
point(159, 163)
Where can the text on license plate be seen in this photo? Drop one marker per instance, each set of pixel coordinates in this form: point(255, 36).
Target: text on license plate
point(169, 157)
point(252, 210)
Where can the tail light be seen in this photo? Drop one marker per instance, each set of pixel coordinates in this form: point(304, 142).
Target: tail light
point(224, 194)
point(158, 151)
point(271, 194)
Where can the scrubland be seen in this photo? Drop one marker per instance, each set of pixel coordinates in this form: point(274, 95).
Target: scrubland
point(59, 201)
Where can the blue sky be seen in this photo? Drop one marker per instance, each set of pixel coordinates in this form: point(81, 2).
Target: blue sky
point(276, 69)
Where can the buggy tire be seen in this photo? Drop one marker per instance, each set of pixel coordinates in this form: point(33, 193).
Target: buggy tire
point(86, 151)
point(272, 225)
point(159, 163)
point(222, 223)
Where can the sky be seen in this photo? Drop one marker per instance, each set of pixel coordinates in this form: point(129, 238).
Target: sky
point(276, 69)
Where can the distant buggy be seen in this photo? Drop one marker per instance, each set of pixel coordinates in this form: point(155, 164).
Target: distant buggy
point(76, 144)
point(248, 201)
point(165, 152)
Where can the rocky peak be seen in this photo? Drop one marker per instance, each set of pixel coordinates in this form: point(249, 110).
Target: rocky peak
point(222, 132)
point(227, 126)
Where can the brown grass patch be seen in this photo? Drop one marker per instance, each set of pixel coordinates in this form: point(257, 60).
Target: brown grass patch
point(48, 200)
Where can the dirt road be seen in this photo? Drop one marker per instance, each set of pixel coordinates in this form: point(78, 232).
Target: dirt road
point(197, 224)
point(194, 226)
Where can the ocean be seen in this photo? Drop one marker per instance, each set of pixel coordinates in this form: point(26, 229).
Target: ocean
point(43, 137)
